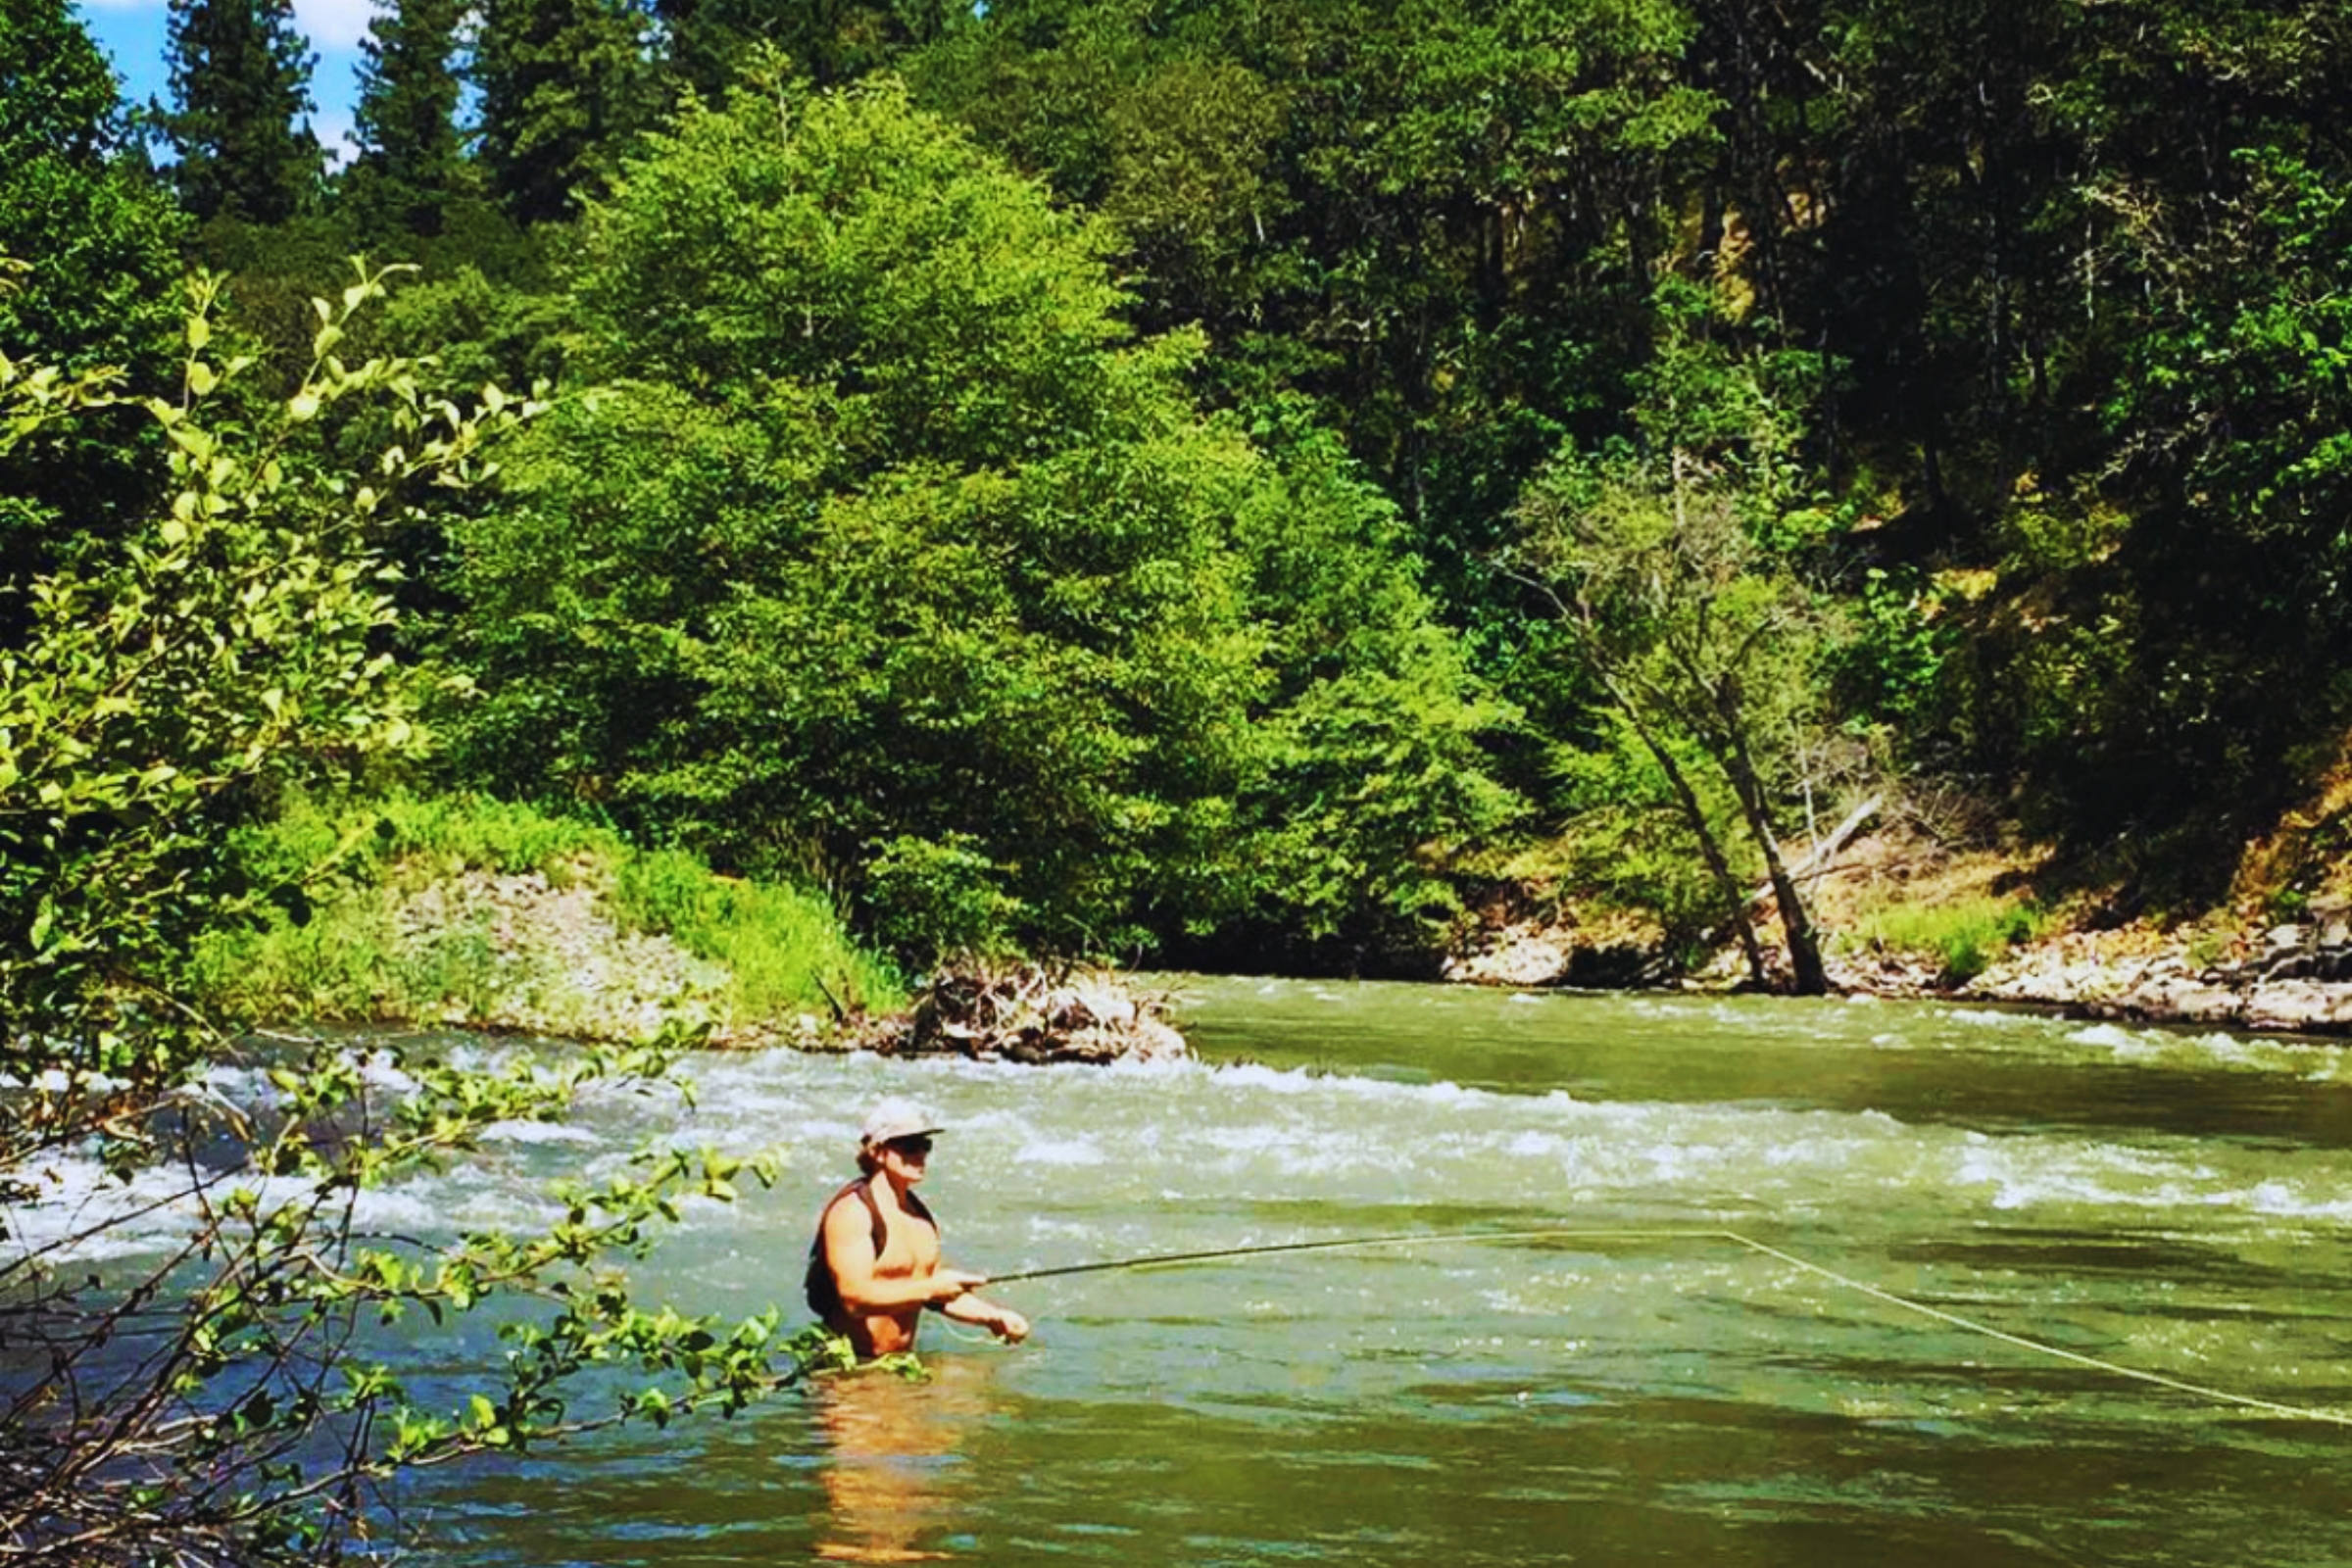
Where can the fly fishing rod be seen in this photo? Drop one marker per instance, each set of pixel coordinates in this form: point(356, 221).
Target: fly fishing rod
point(1619, 1234)
point(1167, 1259)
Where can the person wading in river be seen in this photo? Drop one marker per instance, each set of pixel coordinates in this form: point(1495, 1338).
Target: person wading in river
point(875, 1266)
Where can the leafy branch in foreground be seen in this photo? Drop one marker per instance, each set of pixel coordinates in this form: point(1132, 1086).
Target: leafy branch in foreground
point(210, 1396)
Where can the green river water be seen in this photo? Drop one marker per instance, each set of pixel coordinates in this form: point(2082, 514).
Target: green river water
point(2177, 1201)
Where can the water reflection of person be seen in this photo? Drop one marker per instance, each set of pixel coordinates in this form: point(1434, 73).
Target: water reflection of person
point(893, 1475)
point(874, 1265)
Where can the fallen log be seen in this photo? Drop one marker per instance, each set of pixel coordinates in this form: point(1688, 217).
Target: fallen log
point(1817, 862)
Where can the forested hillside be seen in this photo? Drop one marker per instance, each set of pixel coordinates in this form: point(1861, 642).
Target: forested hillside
point(1248, 481)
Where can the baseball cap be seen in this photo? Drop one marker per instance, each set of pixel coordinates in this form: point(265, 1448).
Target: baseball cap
point(894, 1119)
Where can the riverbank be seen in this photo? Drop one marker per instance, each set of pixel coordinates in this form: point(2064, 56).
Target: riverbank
point(480, 915)
point(2289, 978)
point(1904, 918)
point(475, 914)
point(472, 914)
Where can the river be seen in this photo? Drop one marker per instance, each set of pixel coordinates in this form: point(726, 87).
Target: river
point(2179, 1202)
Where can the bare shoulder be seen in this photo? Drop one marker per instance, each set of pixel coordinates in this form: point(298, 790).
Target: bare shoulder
point(847, 1225)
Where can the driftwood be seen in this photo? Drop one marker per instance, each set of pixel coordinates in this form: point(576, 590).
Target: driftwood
point(1817, 863)
point(1025, 1014)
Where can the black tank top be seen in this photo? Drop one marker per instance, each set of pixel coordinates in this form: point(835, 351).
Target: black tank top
point(821, 1287)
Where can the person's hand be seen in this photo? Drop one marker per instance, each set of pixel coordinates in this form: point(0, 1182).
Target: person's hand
point(1010, 1327)
point(949, 1283)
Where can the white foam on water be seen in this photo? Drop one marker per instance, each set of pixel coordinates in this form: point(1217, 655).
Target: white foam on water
point(2213, 1049)
point(57, 1081)
point(1987, 1018)
point(536, 1131)
point(72, 1196)
point(1075, 1151)
point(1173, 1151)
point(1271, 1080)
point(2283, 1200)
point(160, 1208)
point(2138, 1181)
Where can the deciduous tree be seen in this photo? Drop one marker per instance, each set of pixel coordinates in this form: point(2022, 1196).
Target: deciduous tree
point(94, 247)
point(1668, 560)
point(892, 544)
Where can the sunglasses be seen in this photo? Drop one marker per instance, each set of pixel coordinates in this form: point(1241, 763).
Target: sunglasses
point(911, 1146)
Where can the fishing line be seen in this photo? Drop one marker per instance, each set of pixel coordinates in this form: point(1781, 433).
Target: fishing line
point(1687, 1233)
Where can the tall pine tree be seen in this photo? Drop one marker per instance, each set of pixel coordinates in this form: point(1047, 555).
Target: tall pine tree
point(241, 97)
point(829, 41)
point(564, 85)
point(411, 163)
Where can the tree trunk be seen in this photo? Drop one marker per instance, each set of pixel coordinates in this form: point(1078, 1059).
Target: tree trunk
point(1804, 949)
point(1717, 862)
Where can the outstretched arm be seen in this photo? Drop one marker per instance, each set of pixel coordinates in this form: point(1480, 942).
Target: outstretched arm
point(1001, 1321)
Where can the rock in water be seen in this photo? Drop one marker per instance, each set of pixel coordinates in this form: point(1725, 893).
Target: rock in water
point(1025, 1014)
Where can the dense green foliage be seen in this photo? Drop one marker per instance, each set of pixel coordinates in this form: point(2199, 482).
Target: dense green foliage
point(77, 195)
point(563, 86)
point(2060, 287)
point(889, 546)
point(706, 44)
point(73, 194)
point(1436, 218)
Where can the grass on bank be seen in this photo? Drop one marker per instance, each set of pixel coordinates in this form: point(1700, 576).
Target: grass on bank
point(1965, 936)
point(784, 950)
point(399, 926)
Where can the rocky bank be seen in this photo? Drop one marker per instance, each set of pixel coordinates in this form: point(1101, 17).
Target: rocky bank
point(2284, 977)
point(2294, 978)
point(549, 959)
